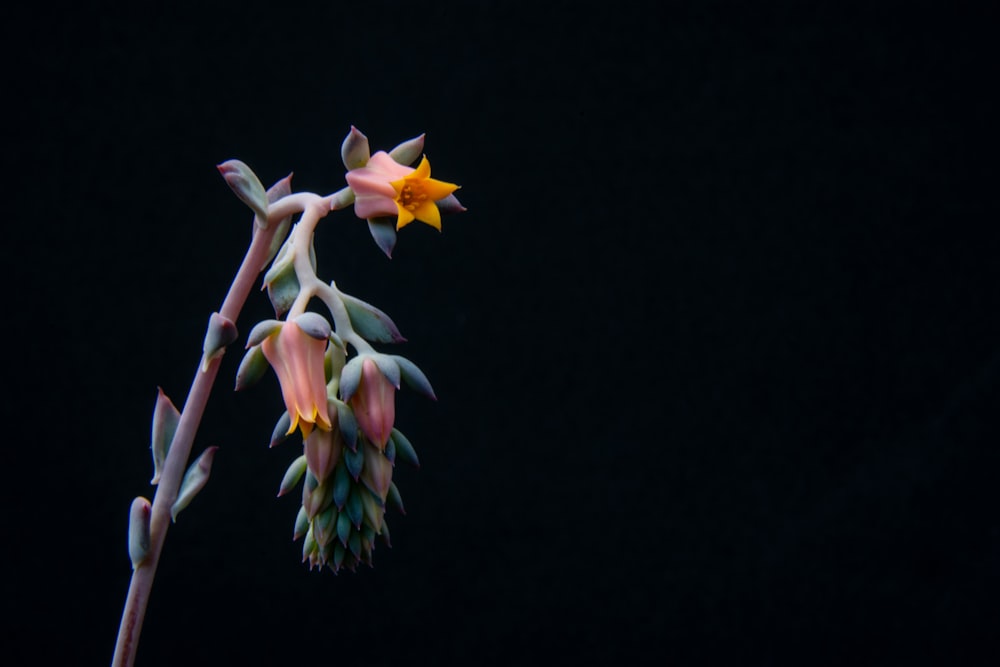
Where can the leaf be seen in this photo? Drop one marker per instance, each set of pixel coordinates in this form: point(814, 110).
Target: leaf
point(369, 322)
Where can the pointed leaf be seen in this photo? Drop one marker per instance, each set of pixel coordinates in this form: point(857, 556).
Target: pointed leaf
point(247, 187)
point(138, 531)
point(347, 422)
point(282, 291)
point(165, 420)
point(314, 325)
point(282, 188)
point(221, 332)
point(194, 481)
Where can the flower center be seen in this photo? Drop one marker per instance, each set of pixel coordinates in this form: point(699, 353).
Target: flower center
point(411, 198)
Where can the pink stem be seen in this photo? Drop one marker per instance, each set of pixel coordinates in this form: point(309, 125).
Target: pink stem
point(194, 407)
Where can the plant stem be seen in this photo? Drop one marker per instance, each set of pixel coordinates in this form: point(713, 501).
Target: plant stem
point(194, 407)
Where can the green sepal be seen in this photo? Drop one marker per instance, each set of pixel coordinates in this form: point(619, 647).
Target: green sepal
point(409, 151)
point(355, 151)
point(347, 422)
point(293, 475)
point(354, 507)
point(324, 526)
point(414, 377)
point(394, 498)
point(371, 504)
point(383, 231)
point(354, 544)
point(341, 485)
point(338, 556)
point(301, 524)
point(369, 322)
point(280, 432)
point(404, 449)
point(308, 545)
point(252, 368)
point(385, 533)
point(283, 289)
point(262, 330)
point(343, 528)
point(390, 451)
point(355, 460)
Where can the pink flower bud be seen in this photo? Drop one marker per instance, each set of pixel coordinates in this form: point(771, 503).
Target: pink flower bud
point(374, 404)
point(323, 450)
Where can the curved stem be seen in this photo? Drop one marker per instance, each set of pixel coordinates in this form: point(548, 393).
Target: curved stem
point(194, 407)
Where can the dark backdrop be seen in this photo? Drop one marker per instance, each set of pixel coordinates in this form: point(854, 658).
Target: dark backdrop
point(715, 343)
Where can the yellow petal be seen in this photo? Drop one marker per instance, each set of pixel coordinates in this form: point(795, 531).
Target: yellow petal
point(428, 212)
point(435, 189)
point(404, 218)
point(422, 171)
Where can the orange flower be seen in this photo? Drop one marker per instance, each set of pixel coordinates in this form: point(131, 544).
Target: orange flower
point(297, 358)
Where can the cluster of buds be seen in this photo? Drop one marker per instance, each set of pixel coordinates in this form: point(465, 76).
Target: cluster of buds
point(338, 390)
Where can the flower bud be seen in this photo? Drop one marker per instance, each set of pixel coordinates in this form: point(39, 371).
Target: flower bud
point(323, 450)
point(374, 403)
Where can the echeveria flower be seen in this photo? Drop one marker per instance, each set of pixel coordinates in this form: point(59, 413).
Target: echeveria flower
point(383, 187)
point(374, 404)
point(297, 358)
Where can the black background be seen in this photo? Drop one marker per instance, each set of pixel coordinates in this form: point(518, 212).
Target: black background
point(714, 345)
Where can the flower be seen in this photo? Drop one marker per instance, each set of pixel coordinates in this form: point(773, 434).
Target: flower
point(297, 359)
point(374, 404)
point(383, 187)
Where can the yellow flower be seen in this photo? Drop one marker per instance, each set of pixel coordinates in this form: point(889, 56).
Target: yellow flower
point(416, 194)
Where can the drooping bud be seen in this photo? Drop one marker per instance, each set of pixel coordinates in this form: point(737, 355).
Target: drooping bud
point(165, 420)
point(247, 187)
point(293, 475)
point(374, 403)
point(194, 481)
point(409, 151)
point(221, 332)
point(355, 150)
point(138, 531)
point(373, 512)
point(377, 473)
point(323, 450)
